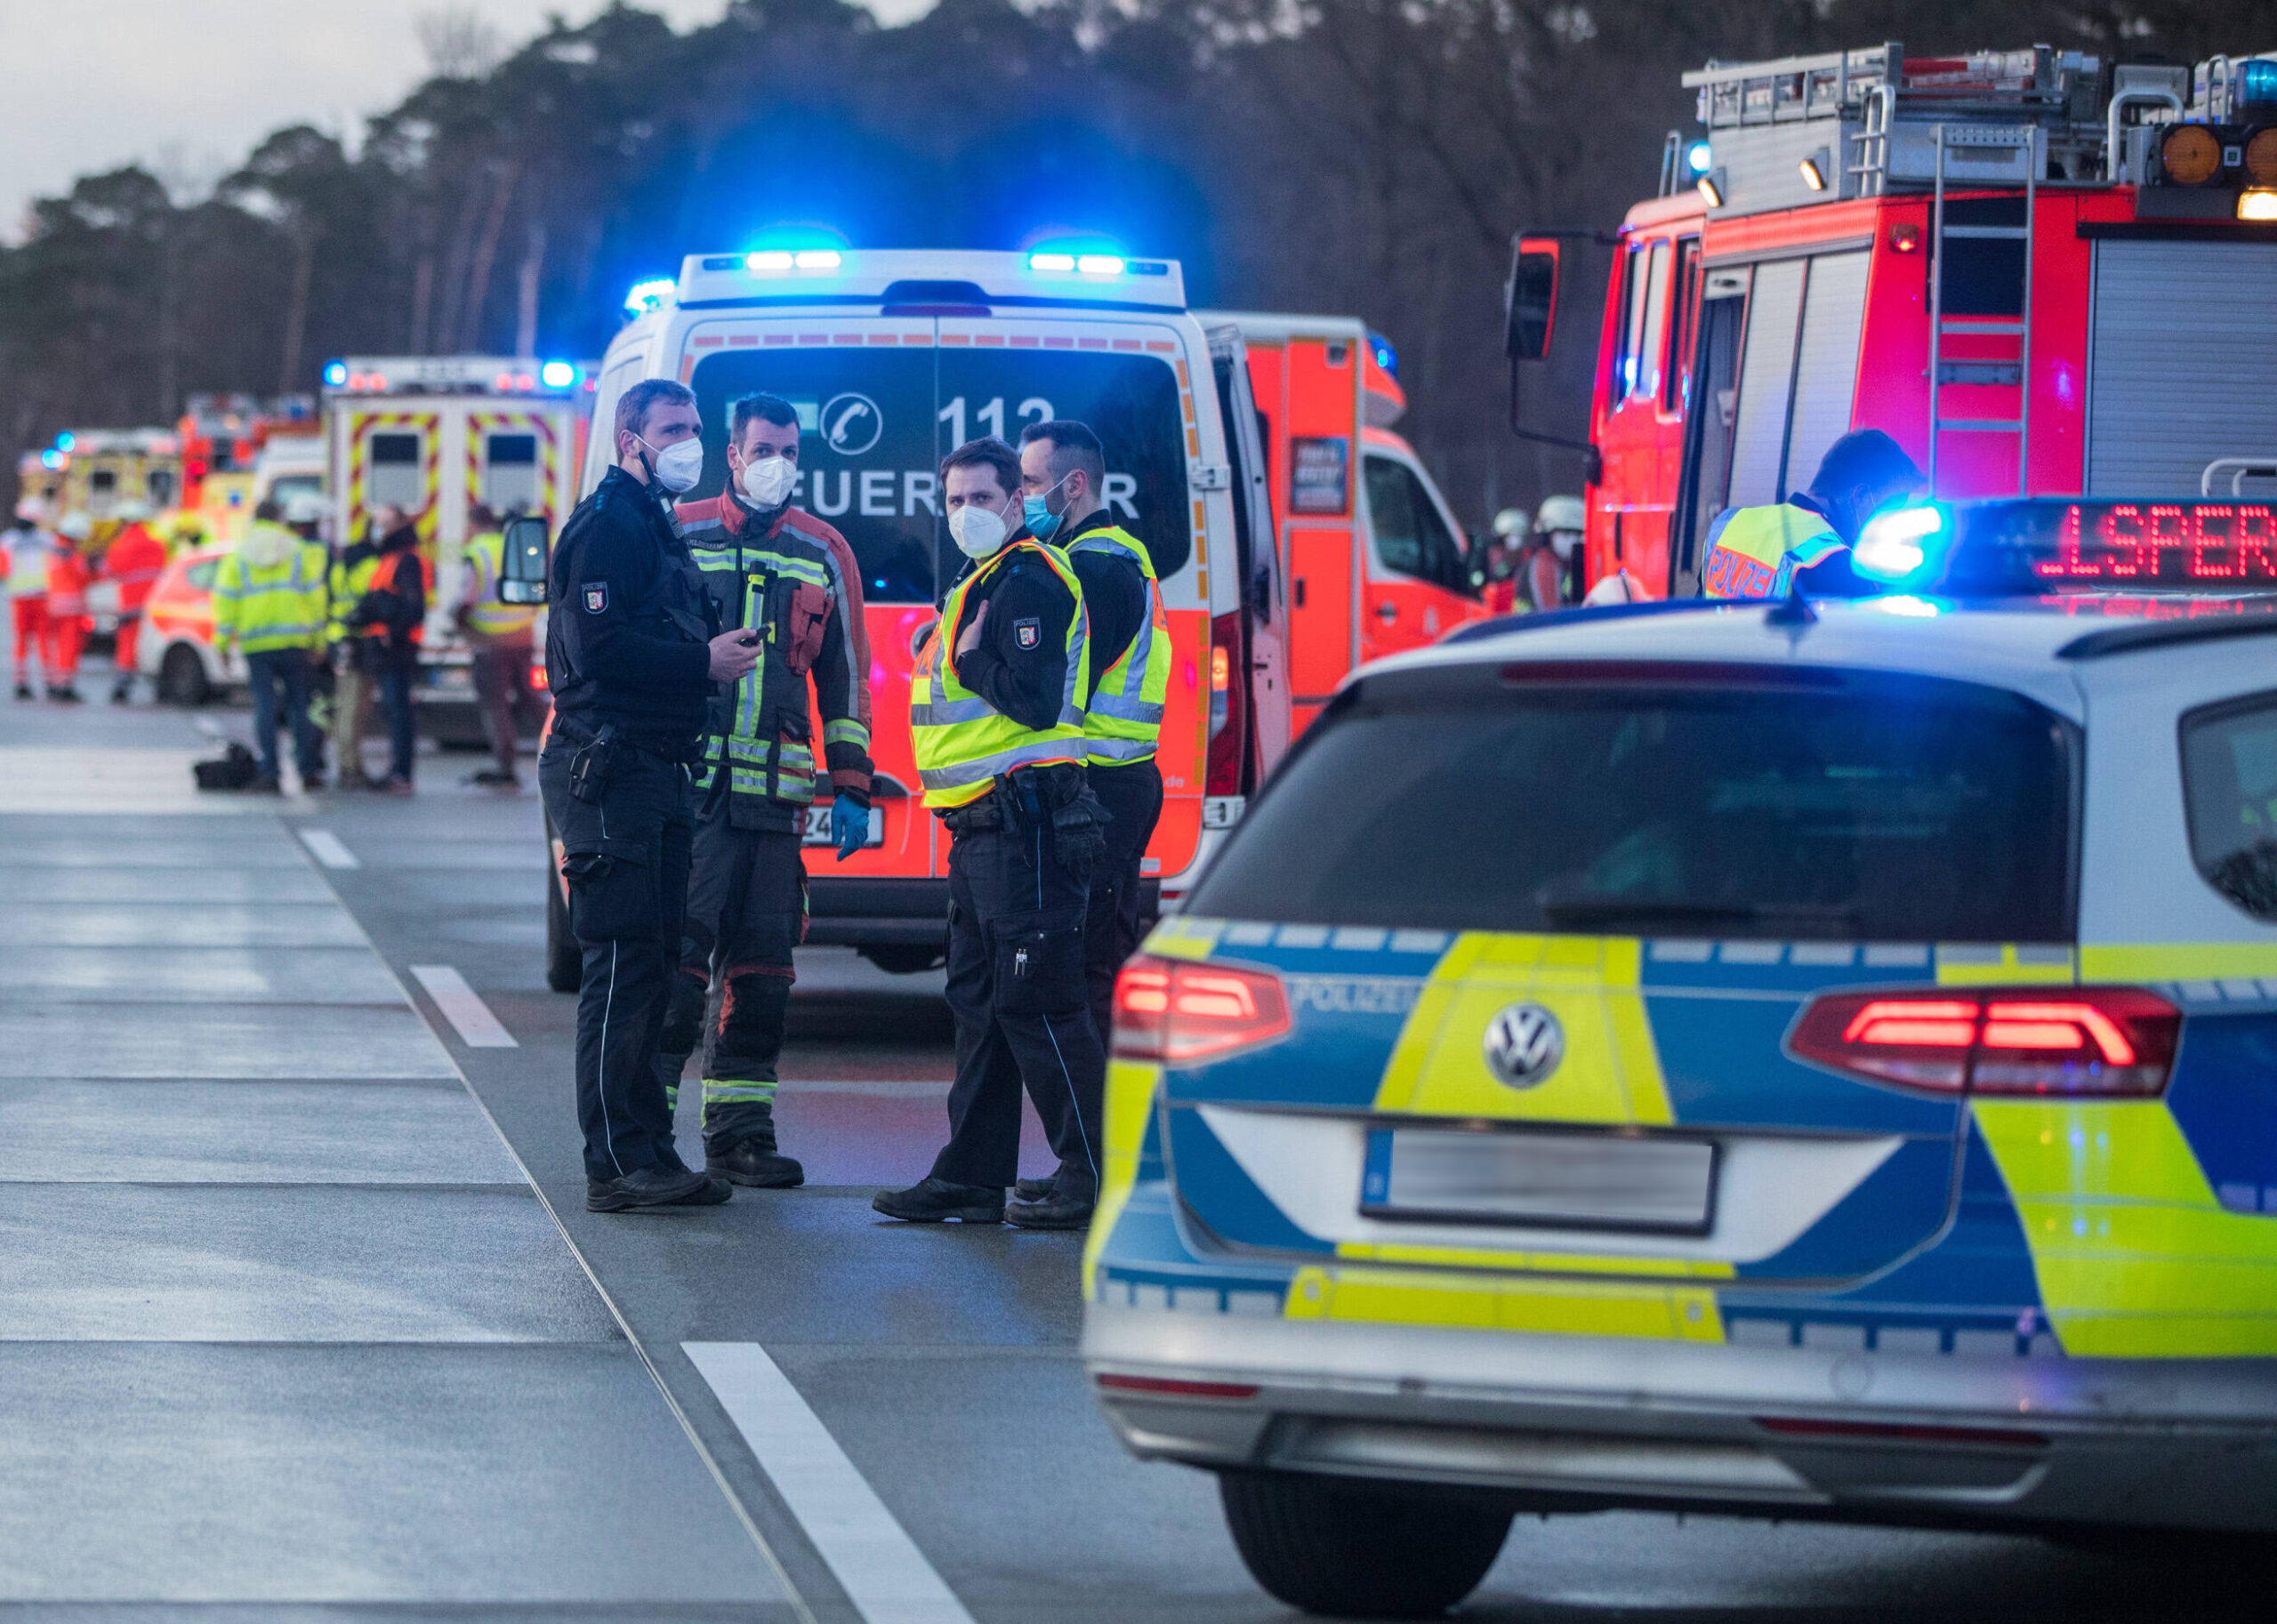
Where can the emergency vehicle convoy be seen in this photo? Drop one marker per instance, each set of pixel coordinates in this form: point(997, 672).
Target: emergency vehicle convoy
point(2042, 273)
point(894, 357)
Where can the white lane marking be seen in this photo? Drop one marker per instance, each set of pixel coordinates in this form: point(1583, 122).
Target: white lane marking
point(325, 848)
point(874, 1560)
point(463, 1008)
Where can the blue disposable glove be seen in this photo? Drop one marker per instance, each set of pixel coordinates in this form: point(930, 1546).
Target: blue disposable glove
point(849, 825)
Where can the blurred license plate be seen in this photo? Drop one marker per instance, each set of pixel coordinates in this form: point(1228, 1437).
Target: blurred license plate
point(1575, 1181)
point(817, 831)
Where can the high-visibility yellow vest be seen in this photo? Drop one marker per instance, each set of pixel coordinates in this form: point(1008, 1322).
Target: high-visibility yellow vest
point(27, 563)
point(1754, 552)
point(350, 583)
point(485, 616)
point(1124, 719)
point(269, 594)
point(962, 742)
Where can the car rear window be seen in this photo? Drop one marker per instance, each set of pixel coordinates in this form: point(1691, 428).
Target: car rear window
point(2229, 774)
point(1846, 808)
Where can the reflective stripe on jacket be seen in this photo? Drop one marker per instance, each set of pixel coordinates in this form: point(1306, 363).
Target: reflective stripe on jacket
point(1754, 552)
point(485, 616)
point(28, 556)
point(270, 592)
point(962, 742)
point(1124, 719)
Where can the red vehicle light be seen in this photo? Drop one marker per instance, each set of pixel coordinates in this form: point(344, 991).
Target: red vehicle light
point(1905, 237)
point(2068, 1041)
point(1177, 1013)
point(1228, 709)
point(1900, 1432)
point(1164, 1387)
point(539, 681)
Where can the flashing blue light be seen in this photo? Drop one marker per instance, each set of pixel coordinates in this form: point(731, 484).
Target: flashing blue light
point(66, 440)
point(335, 374)
point(652, 295)
point(1099, 264)
point(1909, 607)
point(1387, 356)
point(818, 259)
point(1894, 543)
point(1051, 262)
point(2257, 82)
point(52, 460)
point(1698, 158)
point(557, 374)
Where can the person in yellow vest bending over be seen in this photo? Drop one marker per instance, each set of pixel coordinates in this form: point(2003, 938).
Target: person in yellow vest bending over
point(1759, 552)
point(269, 600)
point(997, 720)
point(501, 636)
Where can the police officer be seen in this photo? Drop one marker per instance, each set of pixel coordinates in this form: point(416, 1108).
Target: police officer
point(631, 654)
point(1062, 475)
point(996, 717)
point(793, 579)
point(1760, 553)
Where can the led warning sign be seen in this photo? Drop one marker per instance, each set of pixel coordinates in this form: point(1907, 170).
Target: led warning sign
point(2128, 543)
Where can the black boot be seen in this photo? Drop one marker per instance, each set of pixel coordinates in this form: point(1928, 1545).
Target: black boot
point(936, 1199)
point(753, 1159)
point(1067, 1206)
point(653, 1186)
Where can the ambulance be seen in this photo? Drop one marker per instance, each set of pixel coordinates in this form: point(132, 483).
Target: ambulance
point(2044, 273)
point(434, 435)
point(894, 357)
point(96, 470)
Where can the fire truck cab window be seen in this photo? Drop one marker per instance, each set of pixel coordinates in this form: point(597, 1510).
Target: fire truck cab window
point(1410, 537)
point(1652, 354)
point(395, 478)
point(509, 482)
point(1635, 293)
point(2229, 774)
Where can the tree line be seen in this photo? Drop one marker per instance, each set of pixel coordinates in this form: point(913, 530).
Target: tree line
point(1365, 157)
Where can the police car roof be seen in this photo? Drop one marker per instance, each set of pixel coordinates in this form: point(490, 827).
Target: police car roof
point(2028, 645)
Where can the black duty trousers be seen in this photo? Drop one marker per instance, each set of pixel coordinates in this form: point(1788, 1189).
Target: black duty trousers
point(625, 857)
point(1133, 798)
point(746, 911)
point(1016, 990)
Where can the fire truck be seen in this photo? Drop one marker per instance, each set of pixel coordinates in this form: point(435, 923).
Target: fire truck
point(2043, 273)
point(223, 440)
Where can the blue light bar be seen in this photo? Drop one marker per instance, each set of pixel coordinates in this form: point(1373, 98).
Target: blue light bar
point(51, 459)
point(1051, 261)
point(1698, 158)
point(1895, 543)
point(818, 259)
point(652, 295)
point(558, 375)
point(1099, 264)
point(65, 441)
point(336, 374)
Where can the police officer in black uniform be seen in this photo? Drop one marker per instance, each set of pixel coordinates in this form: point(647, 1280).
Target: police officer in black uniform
point(631, 654)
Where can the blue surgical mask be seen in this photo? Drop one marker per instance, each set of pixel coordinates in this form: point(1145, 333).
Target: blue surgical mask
point(1040, 520)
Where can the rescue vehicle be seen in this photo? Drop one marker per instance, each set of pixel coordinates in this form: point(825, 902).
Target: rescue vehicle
point(894, 357)
point(1374, 561)
point(435, 435)
point(2042, 272)
point(96, 470)
point(176, 650)
point(223, 439)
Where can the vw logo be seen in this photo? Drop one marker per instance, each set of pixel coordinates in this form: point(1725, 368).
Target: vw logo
point(1523, 1045)
point(851, 425)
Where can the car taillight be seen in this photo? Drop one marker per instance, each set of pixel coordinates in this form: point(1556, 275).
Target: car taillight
point(538, 679)
point(2045, 1039)
point(1228, 708)
point(1176, 1012)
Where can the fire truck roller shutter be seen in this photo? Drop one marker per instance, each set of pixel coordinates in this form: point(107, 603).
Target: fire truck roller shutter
point(1767, 381)
point(1826, 369)
point(2184, 364)
point(1798, 373)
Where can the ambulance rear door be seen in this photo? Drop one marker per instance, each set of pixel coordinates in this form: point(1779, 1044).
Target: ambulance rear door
point(1264, 613)
point(1309, 390)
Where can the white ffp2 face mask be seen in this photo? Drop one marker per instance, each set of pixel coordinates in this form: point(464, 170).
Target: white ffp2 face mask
point(770, 481)
point(679, 465)
point(977, 533)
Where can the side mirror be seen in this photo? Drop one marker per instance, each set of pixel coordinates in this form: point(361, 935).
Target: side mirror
point(1531, 298)
point(522, 578)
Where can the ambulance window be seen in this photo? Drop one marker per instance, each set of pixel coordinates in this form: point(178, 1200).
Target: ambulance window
point(293, 485)
point(159, 483)
point(2229, 774)
point(395, 478)
point(510, 479)
point(867, 457)
point(1130, 402)
point(1410, 537)
point(200, 574)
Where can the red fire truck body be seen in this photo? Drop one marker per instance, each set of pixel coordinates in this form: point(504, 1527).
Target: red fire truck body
point(1822, 275)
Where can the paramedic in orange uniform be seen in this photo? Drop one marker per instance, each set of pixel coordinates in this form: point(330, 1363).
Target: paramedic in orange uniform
point(135, 559)
point(67, 606)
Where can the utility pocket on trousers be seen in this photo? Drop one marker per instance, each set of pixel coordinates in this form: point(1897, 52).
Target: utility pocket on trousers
point(612, 892)
point(1039, 963)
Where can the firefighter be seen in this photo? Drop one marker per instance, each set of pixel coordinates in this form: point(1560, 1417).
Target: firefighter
point(1549, 564)
point(66, 631)
point(793, 579)
point(632, 653)
point(28, 549)
point(1803, 543)
point(500, 635)
point(135, 559)
point(1495, 575)
point(997, 720)
point(353, 688)
point(269, 601)
point(1063, 473)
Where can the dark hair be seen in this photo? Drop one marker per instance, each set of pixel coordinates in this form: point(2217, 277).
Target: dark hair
point(482, 515)
point(760, 408)
point(1864, 459)
point(986, 452)
point(1074, 446)
point(269, 510)
point(634, 405)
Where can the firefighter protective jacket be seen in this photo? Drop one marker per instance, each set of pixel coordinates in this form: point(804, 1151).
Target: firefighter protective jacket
point(797, 584)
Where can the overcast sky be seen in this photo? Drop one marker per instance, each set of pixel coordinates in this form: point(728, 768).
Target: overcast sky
point(187, 86)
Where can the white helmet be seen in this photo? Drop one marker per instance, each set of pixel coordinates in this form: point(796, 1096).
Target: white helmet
point(303, 508)
point(78, 527)
point(1510, 521)
point(1561, 513)
point(32, 510)
point(132, 513)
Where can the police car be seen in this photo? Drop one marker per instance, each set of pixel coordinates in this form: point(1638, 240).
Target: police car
point(1785, 1060)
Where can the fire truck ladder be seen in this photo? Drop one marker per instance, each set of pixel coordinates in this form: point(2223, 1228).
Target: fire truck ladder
point(1980, 141)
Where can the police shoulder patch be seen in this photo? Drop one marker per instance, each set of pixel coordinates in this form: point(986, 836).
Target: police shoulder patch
point(596, 597)
point(1027, 633)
